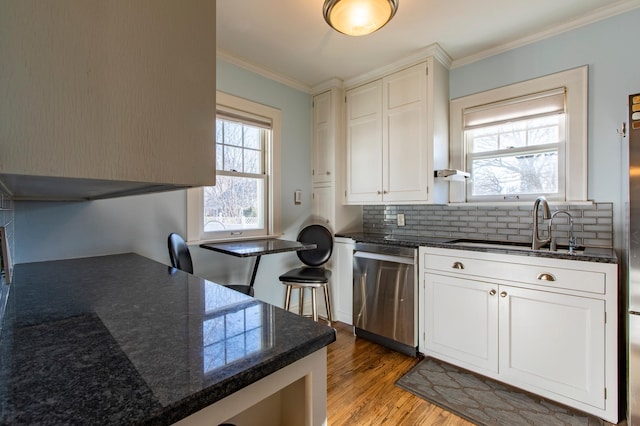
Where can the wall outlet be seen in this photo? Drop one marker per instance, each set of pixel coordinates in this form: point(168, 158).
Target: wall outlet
point(400, 219)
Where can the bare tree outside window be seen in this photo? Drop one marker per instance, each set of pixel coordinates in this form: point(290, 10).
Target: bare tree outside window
point(516, 158)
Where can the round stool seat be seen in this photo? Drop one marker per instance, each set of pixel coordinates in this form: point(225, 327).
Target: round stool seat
point(307, 275)
point(311, 278)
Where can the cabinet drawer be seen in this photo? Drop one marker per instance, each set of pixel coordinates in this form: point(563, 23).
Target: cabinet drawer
point(510, 270)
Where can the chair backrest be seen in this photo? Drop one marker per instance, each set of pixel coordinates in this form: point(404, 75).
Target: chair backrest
point(322, 238)
point(179, 253)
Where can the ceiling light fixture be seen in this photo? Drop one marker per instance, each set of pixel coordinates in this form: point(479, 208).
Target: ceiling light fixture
point(358, 17)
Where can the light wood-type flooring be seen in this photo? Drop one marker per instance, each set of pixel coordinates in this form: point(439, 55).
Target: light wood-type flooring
point(361, 387)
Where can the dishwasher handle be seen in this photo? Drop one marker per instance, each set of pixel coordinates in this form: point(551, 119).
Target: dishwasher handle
point(385, 257)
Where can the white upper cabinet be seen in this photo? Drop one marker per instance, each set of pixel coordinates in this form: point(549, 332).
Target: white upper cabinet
point(404, 135)
point(103, 98)
point(364, 143)
point(397, 135)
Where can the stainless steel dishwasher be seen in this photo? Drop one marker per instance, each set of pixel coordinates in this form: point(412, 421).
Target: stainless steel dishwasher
point(385, 295)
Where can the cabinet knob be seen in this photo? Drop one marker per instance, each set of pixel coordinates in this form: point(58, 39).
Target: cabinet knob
point(328, 173)
point(492, 292)
point(503, 294)
point(457, 265)
point(546, 277)
point(379, 192)
point(385, 192)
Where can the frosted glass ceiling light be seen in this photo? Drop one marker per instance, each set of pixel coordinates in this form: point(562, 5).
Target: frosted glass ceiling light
point(358, 17)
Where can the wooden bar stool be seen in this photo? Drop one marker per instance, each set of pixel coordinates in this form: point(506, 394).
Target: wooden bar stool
point(313, 275)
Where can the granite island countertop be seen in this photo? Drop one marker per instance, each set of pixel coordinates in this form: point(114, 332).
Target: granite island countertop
point(122, 339)
point(587, 254)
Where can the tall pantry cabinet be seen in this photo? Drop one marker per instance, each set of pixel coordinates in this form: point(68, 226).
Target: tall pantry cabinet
point(329, 208)
point(328, 168)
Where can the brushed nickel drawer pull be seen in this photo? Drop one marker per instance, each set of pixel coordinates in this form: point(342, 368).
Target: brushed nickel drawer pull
point(503, 294)
point(492, 292)
point(458, 265)
point(546, 277)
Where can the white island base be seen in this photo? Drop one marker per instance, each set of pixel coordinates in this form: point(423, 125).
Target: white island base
point(294, 395)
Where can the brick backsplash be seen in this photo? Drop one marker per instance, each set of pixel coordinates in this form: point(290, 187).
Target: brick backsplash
point(592, 224)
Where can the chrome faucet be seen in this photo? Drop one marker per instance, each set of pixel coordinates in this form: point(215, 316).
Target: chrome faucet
point(572, 239)
point(538, 243)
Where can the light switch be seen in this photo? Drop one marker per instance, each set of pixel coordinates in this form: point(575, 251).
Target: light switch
point(297, 197)
point(400, 219)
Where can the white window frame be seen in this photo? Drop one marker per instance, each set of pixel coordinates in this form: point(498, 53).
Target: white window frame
point(575, 82)
point(195, 200)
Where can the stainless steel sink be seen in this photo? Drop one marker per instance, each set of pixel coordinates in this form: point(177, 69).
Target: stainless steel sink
point(504, 245)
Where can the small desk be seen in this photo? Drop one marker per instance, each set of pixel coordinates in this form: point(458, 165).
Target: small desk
point(256, 248)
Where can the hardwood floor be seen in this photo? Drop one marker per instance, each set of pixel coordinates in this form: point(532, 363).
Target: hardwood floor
point(361, 387)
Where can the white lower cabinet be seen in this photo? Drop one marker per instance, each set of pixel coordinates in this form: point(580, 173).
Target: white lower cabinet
point(462, 320)
point(553, 341)
point(527, 322)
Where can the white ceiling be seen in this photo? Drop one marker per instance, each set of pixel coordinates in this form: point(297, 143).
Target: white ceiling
point(290, 40)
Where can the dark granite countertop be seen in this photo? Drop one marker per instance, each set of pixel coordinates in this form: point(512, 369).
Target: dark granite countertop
point(586, 254)
point(123, 339)
point(257, 247)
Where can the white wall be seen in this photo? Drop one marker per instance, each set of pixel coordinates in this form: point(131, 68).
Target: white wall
point(606, 47)
point(53, 230)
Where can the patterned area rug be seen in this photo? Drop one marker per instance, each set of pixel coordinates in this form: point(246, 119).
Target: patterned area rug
point(484, 401)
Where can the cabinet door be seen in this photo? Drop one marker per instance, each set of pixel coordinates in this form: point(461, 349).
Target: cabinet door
point(364, 143)
point(322, 205)
point(553, 342)
point(461, 321)
point(323, 143)
point(342, 280)
point(404, 137)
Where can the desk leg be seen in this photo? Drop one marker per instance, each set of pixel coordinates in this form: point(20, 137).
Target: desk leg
point(255, 271)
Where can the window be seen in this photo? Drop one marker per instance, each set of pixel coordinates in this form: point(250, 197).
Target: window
point(237, 202)
point(244, 202)
point(515, 148)
point(523, 140)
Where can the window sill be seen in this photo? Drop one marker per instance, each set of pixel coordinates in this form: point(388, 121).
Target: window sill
point(227, 240)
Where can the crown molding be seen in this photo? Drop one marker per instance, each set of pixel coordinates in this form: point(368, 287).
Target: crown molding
point(597, 15)
point(326, 85)
point(432, 50)
point(264, 72)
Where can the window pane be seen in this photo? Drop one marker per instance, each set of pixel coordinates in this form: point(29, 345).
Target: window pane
point(252, 163)
point(484, 143)
point(252, 137)
point(233, 159)
point(219, 157)
point(513, 139)
point(235, 203)
point(517, 174)
point(232, 133)
point(516, 134)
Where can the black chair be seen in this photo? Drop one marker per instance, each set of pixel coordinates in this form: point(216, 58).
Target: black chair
point(313, 275)
point(181, 259)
